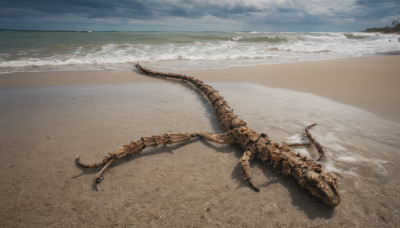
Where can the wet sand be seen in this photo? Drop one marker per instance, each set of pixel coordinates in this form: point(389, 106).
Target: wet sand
point(371, 83)
point(47, 119)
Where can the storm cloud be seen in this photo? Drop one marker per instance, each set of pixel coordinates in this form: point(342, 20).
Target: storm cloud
point(267, 15)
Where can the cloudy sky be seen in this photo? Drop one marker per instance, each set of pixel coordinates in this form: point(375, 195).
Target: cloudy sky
point(198, 15)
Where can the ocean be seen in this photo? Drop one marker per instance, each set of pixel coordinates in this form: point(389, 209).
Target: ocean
point(36, 51)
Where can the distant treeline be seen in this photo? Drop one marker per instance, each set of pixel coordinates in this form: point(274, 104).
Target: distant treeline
point(395, 28)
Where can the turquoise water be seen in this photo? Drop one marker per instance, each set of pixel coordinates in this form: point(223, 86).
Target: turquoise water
point(46, 51)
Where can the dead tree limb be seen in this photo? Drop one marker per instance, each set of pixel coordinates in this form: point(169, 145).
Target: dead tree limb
point(308, 174)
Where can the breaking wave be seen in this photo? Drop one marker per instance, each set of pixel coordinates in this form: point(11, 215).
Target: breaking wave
point(44, 51)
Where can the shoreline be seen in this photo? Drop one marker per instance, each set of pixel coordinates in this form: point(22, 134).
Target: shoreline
point(370, 83)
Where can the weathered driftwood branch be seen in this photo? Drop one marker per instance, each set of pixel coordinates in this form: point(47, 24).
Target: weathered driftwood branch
point(308, 174)
point(314, 142)
point(311, 141)
point(136, 147)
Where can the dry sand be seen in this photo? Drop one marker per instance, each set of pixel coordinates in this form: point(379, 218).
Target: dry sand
point(46, 119)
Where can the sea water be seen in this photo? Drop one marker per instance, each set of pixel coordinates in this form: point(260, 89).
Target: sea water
point(22, 51)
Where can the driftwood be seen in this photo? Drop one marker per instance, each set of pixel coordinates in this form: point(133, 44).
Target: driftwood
point(307, 173)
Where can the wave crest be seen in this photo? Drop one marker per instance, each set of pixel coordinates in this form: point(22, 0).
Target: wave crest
point(180, 49)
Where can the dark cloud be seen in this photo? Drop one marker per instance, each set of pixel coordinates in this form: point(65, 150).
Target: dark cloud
point(135, 9)
point(86, 8)
point(261, 15)
point(375, 9)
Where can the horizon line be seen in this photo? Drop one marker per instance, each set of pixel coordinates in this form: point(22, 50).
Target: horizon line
point(89, 31)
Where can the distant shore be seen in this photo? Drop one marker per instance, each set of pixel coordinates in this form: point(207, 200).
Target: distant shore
point(387, 29)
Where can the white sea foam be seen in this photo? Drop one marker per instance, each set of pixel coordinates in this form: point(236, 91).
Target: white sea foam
point(189, 50)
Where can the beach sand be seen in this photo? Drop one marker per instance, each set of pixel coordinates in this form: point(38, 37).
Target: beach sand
point(47, 119)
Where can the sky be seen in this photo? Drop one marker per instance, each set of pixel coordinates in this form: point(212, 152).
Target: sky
point(198, 15)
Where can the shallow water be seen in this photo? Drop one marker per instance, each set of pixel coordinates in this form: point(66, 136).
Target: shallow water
point(350, 135)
